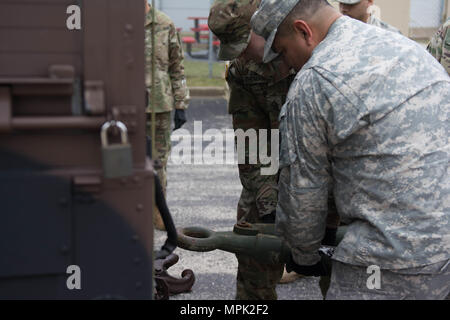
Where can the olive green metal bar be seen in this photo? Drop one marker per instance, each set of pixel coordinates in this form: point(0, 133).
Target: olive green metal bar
point(258, 241)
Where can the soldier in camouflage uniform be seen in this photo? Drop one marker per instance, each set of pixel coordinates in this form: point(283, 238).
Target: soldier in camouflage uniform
point(257, 92)
point(354, 120)
point(359, 9)
point(439, 46)
point(170, 92)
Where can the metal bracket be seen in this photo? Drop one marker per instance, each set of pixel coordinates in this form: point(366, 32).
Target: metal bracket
point(94, 96)
point(87, 184)
point(168, 285)
point(59, 82)
point(5, 109)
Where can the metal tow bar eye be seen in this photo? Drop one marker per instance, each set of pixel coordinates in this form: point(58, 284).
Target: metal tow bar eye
point(197, 239)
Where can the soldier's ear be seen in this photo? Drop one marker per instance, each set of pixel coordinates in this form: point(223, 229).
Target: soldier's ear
point(303, 29)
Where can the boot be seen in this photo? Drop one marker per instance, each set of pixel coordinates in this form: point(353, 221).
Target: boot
point(158, 222)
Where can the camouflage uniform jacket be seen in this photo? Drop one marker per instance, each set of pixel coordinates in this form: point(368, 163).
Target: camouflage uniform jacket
point(439, 46)
point(171, 90)
point(369, 114)
point(374, 21)
point(260, 81)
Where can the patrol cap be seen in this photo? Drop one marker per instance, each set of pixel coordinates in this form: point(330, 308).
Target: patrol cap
point(349, 1)
point(267, 19)
point(229, 20)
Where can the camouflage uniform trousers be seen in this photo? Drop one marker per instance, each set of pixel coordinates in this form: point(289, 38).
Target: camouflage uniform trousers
point(349, 282)
point(256, 281)
point(162, 144)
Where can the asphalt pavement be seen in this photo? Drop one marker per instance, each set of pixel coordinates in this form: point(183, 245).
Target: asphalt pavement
point(206, 195)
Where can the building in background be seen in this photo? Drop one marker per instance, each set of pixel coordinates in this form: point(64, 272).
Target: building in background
point(418, 19)
point(426, 17)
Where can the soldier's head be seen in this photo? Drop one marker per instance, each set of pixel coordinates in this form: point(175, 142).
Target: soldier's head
point(293, 28)
point(356, 9)
point(147, 6)
point(229, 20)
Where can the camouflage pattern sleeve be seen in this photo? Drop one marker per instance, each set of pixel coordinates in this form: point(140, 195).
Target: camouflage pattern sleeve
point(305, 177)
point(176, 70)
point(374, 21)
point(353, 113)
point(439, 46)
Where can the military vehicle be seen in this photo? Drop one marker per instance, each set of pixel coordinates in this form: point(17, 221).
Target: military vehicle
point(75, 182)
point(76, 185)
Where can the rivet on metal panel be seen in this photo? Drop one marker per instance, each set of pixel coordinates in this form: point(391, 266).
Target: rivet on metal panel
point(135, 238)
point(129, 27)
point(140, 207)
point(63, 202)
point(64, 249)
point(130, 63)
point(137, 260)
point(138, 285)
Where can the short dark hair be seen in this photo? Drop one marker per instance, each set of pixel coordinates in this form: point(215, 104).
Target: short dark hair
point(302, 11)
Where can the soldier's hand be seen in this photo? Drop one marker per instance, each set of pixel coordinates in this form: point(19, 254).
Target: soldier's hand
point(268, 218)
point(180, 118)
point(330, 237)
point(321, 268)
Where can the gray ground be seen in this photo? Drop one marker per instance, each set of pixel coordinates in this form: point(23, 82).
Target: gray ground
point(207, 196)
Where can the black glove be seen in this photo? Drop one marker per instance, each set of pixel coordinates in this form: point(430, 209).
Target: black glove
point(321, 268)
point(148, 145)
point(330, 237)
point(180, 118)
point(165, 251)
point(268, 218)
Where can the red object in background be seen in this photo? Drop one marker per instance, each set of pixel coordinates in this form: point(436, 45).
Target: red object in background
point(197, 28)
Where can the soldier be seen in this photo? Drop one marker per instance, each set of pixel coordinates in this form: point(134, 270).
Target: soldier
point(359, 10)
point(352, 118)
point(170, 92)
point(439, 45)
point(257, 92)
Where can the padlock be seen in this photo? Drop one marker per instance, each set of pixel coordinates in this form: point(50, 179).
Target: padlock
point(117, 158)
